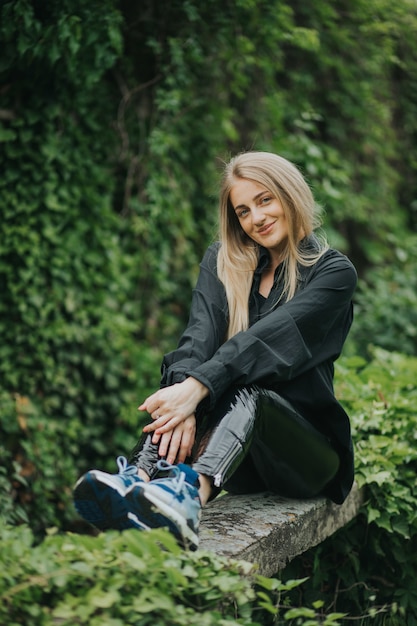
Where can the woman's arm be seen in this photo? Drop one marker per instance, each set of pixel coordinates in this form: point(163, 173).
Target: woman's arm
point(173, 407)
point(207, 325)
point(296, 336)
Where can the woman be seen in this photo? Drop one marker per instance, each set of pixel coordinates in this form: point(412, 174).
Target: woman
point(246, 401)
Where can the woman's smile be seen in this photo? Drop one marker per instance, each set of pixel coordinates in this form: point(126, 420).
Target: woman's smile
point(265, 230)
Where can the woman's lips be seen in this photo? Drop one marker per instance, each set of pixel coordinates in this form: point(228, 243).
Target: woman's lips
point(265, 230)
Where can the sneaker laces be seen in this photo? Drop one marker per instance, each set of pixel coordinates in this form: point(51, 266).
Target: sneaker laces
point(124, 467)
point(178, 476)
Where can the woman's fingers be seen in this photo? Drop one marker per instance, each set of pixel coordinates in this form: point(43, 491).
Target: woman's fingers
point(163, 424)
point(168, 425)
point(183, 449)
point(171, 405)
point(154, 403)
point(156, 438)
point(148, 404)
point(164, 441)
point(177, 444)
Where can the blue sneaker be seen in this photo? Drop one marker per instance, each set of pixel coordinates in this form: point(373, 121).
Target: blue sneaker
point(99, 497)
point(171, 502)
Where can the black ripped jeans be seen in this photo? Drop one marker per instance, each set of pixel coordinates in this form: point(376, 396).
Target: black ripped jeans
point(254, 440)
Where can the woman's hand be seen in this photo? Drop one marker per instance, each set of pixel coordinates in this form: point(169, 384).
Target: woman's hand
point(172, 405)
point(177, 444)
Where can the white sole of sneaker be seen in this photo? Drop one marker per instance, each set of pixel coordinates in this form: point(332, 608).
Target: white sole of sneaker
point(136, 521)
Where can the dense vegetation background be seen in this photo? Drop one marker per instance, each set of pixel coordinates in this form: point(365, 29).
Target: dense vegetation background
point(115, 117)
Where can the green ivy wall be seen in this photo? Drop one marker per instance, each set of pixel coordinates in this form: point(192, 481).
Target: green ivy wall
point(115, 118)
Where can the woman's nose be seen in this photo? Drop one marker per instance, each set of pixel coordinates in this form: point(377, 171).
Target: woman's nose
point(258, 217)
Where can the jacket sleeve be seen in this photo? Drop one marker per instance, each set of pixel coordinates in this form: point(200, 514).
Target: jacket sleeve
point(207, 325)
point(292, 338)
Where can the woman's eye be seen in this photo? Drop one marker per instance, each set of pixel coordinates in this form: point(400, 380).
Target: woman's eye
point(242, 213)
point(266, 200)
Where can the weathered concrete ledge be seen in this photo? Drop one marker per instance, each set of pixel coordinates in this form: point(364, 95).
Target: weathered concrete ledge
point(270, 530)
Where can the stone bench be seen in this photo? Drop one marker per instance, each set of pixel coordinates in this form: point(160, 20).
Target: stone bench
point(270, 530)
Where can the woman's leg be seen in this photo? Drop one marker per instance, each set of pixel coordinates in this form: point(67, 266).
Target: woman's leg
point(224, 439)
point(263, 443)
point(253, 440)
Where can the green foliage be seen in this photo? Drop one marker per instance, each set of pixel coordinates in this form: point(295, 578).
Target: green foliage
point(134, 578)
point(339, 111)
point(274, 599)
point(386, 302)
point(38, 457)
point(129, 578)
point(113, 121)
point(64, 320)
point(369, 567)
point(65, 325)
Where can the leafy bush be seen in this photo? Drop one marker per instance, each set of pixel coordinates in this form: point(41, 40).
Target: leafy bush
point(64, 322)
point(133, 578)
point(115, 579)
point(372, 563)
point(386, 302)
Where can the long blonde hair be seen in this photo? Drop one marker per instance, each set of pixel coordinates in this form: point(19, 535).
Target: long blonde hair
point(239, 254)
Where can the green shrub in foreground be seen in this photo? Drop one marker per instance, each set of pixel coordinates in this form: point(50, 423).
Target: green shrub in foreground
point(132, 578)
point(113, 579)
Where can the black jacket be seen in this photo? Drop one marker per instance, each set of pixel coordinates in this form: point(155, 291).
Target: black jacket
point(290, 348)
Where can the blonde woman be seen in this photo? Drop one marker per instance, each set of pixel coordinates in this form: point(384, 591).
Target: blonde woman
point(246, 401)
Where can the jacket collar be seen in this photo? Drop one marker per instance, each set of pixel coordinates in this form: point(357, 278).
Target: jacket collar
point(308, 244)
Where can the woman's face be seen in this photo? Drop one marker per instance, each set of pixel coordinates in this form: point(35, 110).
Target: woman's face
point(260, 215)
